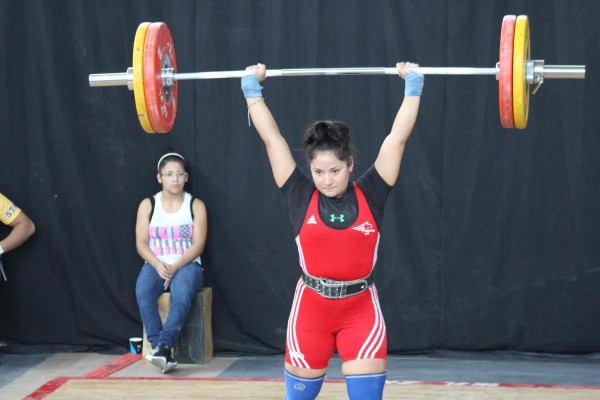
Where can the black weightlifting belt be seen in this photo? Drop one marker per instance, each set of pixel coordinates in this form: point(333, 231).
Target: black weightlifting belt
point(331, 289)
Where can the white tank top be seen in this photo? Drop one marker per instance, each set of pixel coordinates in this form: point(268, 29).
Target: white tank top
point(171, 233)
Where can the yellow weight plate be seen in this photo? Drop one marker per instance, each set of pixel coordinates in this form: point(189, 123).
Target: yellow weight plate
point(138, 77)
point(521, 54)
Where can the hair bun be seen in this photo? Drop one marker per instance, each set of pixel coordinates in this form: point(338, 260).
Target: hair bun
point(322, 129)
point(328, 136)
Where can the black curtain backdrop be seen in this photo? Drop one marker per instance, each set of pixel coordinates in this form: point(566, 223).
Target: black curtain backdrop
point(490, 239)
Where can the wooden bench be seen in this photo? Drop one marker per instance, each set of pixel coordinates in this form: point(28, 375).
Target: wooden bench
point(195, 344)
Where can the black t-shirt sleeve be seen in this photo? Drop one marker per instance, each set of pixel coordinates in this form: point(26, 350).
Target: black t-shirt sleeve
point(376, 192)
point(298, 190)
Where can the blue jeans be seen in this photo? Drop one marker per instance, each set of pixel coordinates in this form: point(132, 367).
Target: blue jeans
point(149, 286)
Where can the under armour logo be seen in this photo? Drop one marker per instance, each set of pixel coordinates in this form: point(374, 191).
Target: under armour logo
point(332, 218)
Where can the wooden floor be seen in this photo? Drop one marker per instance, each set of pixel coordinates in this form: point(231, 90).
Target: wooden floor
point(115, 376)
point(201, 388)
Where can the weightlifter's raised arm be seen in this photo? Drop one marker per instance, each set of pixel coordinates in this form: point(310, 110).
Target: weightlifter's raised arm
point(390, 155)
point(280, 156)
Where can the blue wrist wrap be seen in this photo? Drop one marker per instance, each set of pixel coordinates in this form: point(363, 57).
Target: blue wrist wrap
point(414, 82)
point(251, 87)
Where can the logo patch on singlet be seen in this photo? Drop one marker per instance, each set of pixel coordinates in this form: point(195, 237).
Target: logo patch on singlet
point(312, 220)
point(339, 218)
point(365, 228)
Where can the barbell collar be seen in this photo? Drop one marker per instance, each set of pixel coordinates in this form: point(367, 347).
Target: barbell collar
point(168, 76)
point(534, 74)
point(129, 77)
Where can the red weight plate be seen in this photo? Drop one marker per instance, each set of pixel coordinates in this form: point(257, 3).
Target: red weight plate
point(161, 100)
point(505, 78)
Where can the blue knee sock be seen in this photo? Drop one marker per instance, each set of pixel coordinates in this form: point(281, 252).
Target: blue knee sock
point(297, 388)
point(365, 387)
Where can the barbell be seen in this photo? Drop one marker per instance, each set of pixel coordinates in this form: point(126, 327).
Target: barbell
point(153, 76)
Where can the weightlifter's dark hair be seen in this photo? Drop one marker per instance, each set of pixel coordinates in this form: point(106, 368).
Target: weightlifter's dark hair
point(328, 136)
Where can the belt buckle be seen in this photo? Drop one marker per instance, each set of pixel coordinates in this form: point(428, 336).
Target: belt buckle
point(325, 284)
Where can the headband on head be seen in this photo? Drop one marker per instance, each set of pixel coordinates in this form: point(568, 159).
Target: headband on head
point(167, 155)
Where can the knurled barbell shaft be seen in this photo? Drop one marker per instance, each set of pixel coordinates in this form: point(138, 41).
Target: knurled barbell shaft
point(549, 71)
point(121, 79)
point(338, 71)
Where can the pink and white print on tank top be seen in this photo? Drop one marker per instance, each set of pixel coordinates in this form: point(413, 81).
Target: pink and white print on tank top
point(167, 240)
point(171, 233)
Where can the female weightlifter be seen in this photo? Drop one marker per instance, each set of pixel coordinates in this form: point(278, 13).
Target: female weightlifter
point(336, 222)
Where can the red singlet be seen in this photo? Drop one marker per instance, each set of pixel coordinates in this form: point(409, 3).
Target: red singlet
point(354, 325)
